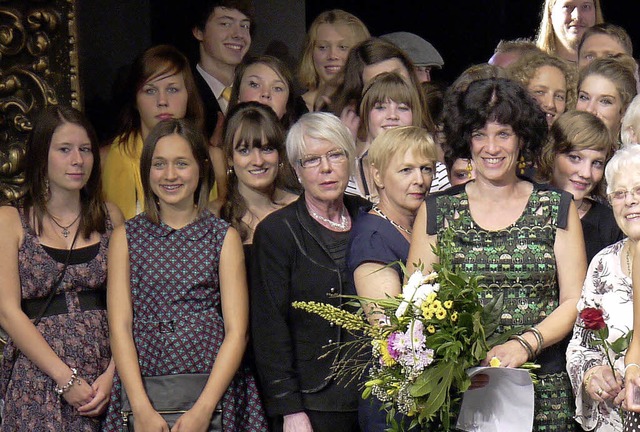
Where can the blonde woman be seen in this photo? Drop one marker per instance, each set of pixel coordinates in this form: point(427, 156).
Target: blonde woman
point(563, 24)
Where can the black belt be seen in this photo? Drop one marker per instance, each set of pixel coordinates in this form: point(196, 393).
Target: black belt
point(89, 300)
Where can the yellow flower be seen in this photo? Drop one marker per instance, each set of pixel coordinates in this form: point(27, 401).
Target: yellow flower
point(426, 312)
point(430, 298)
point(431, 329)
point(441, 313)
point(435, 305)
point(495, 362)
point(448, 304)
point(454, 316)
point(386, 357)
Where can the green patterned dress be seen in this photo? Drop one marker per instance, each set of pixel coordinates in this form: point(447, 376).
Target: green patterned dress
point(519, 262)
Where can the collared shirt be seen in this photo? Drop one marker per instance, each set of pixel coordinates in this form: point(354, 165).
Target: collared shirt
point(216, 87)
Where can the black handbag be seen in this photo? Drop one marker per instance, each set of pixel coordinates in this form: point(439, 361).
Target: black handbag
point(171, 396)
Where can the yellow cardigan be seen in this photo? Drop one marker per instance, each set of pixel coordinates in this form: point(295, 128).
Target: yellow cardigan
point(121, 180)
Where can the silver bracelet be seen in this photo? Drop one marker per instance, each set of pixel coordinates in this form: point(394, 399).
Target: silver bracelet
point(538, 337)
point(65, 388)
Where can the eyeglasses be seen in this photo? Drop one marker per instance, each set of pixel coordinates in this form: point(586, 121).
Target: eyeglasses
point(620, 196)
point(334, 157)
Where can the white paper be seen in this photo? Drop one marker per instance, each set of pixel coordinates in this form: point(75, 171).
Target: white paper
point(505, 404)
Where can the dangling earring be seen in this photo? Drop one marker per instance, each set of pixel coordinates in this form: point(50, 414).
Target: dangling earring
point(469, 169)
point(522, 164)
point(46, 193)
point(230, 171)
point(280, 165)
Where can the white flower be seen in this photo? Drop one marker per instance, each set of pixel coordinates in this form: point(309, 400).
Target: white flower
point(423, 292)
point(416, 290)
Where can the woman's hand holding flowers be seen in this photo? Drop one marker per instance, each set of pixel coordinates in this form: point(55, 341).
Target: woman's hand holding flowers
point(601, 384)
point(511, 354)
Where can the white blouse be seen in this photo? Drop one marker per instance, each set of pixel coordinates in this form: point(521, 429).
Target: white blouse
point(608, 288)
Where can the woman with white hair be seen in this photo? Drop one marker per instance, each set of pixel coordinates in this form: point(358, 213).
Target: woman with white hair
point(300, 255)
point(630, 132)
point(608, 286)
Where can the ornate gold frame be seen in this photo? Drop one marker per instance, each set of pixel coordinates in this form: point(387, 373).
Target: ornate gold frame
point(38, 67)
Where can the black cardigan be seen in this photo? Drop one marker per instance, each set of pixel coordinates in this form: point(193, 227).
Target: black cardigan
point(290, 263)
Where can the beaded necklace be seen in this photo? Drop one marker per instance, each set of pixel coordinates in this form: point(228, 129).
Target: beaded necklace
point(343, 225)
point(395, 224)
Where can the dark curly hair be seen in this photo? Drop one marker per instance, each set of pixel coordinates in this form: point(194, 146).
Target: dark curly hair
point(494, 100)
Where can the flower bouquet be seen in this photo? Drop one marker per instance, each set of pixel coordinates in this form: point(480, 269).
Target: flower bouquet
point(426, 339)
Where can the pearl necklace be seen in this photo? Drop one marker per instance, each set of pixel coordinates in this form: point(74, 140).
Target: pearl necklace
point(628, 256)
point(395, 224)
point(65, 229)
point(343, 225)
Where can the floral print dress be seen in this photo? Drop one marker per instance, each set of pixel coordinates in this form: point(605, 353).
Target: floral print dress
point(80, 338)
point(606, 287)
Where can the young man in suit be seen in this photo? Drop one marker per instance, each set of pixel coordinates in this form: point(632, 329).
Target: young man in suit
point(223, 29)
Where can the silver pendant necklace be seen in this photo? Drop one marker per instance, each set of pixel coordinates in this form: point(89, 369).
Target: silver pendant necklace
point(65, 229)
point(395, 224)
point(343, 225)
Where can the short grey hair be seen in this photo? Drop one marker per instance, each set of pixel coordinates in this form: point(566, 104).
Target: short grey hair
point(627, 159)
point(631, 120)
point(319, 125)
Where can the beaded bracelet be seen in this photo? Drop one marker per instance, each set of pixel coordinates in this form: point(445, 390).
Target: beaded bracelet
point(65, 388)
point(628, 366)
point(539, 339)
point(526, 345)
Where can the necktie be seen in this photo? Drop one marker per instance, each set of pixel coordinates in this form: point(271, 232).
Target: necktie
point(226, 94)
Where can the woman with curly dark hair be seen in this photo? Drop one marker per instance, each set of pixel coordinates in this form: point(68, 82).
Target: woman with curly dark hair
point(523, 238)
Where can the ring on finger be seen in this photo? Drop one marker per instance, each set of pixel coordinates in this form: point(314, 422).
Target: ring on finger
point(599, 392)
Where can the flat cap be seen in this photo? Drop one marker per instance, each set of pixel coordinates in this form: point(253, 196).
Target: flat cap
point(421, 52)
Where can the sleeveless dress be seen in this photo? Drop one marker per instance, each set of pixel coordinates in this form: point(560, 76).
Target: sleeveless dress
point(79, 338)
point(519, 262)
point(178, 326)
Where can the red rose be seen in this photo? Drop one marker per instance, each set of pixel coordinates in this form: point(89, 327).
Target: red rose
point(592, 318)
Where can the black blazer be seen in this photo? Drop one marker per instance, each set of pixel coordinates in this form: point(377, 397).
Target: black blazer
point(209, 101)
point(290, 263)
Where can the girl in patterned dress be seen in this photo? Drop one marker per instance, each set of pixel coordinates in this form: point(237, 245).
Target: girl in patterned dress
point(56, 375)
point(178, 299)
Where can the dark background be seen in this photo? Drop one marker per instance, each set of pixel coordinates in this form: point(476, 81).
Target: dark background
point(466, 32)
point(112, 33)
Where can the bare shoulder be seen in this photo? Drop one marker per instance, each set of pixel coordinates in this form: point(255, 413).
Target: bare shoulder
point(118, 237)
point(232, 237)
point(117, 218)
point(10, 225)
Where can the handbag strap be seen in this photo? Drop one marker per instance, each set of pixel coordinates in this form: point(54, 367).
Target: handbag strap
point(57, 282)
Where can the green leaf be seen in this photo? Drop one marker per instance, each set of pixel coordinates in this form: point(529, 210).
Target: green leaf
point(433, 383)
point(491, 314)
point(622, 343)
